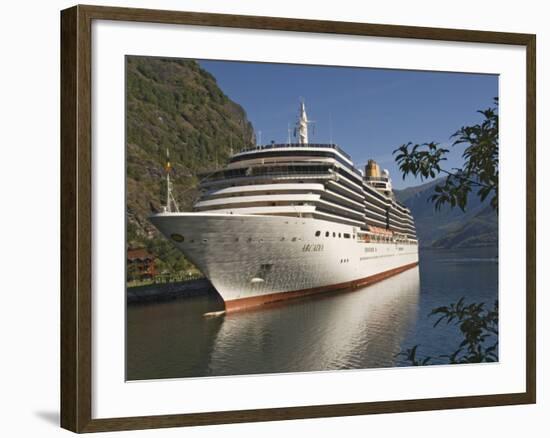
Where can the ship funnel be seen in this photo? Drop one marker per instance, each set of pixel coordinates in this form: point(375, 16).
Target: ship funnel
point(372, 169)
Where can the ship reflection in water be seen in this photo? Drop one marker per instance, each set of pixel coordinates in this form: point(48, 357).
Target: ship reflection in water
point(356, 329)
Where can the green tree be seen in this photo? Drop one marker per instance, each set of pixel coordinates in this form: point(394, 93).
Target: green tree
point(478, 325)
point(479, 171)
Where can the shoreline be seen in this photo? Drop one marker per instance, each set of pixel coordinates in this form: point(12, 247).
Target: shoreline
point(160, 292)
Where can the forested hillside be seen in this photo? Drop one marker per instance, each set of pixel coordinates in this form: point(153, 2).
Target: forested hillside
point(173, 104)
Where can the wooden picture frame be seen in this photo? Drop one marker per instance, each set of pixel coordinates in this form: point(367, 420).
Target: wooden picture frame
point(76, 217)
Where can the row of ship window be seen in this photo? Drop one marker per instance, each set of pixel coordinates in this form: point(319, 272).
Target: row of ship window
point(339, 235)
point(179, 238)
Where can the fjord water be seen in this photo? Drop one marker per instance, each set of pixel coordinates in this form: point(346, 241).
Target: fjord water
point(364, 328)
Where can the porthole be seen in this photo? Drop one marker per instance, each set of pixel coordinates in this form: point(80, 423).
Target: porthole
point(327, 234)
point(317, 233)
point(177, 237)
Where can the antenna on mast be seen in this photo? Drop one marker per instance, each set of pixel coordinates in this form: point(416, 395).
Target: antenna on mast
point(330, 126)
point(288, 130)
point(170, 200)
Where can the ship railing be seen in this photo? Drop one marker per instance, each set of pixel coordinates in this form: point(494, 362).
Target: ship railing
point(376, 178)
point(293, 175)
point(297, 145)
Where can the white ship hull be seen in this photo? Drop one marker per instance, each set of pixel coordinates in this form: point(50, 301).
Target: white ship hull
point(254, 259)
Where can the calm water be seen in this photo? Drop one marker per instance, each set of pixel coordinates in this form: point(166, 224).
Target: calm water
point(364, 328)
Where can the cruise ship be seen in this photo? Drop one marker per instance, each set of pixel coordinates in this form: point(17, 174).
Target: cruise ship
point(281, 221)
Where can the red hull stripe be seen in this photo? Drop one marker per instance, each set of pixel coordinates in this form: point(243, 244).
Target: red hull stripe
point(245, 303)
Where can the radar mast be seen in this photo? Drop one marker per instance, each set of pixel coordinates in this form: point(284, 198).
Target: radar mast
point(301, 126)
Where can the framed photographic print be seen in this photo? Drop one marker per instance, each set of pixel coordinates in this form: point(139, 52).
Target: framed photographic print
point(268, 218)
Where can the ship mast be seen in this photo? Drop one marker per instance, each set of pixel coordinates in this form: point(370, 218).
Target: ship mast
point(302, 125)
point(170, 200)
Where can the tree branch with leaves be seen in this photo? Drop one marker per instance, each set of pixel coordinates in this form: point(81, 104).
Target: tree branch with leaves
point(480, 169)
point(478, 326)
point(479, 172)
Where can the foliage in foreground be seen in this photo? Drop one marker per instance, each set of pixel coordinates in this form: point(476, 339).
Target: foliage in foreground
point(479, 171)
point(478, 326)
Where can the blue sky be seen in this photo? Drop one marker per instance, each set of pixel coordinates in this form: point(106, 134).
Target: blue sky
point(368, 112)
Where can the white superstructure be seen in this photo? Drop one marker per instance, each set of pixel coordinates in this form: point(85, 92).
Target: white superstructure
point(284, 220)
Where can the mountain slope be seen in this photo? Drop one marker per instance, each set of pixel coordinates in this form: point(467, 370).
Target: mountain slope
point(481, 230)
point(175, 104)
point(448, 227)
point(405, 194)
